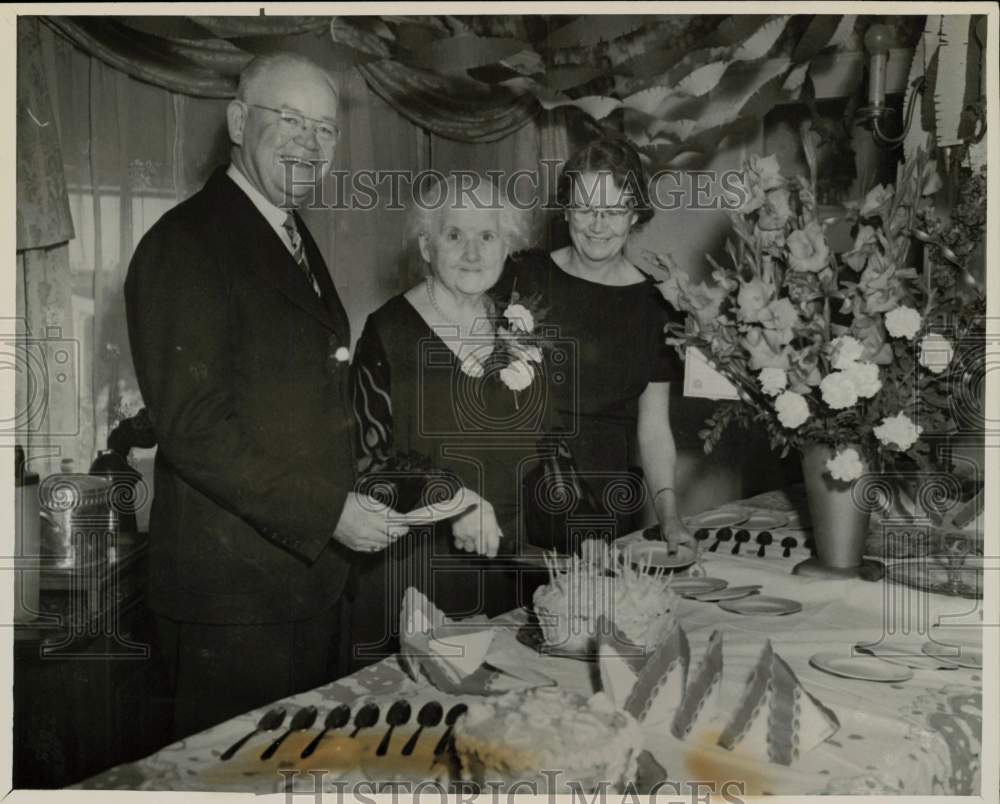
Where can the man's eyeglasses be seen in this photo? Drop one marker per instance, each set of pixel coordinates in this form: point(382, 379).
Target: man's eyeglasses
point(613, 215)
point(296, 123)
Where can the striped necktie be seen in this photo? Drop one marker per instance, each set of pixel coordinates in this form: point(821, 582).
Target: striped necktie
point(299, 251)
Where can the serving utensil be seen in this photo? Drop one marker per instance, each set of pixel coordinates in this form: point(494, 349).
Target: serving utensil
point(398, 715)
point(302, 720)
point(337, 718)
point(453, 714)
point(366, 717)
point(429, 716)
point(269, 721)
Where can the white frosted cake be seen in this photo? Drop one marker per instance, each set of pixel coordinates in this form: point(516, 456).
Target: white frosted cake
point(641, 605)
point(548, 738)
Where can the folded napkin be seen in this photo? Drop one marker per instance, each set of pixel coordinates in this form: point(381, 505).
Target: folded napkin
point(774, 720)
point(455, 656)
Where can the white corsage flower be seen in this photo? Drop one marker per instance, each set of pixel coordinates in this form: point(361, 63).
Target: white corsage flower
point(838, 391)
point(529, 353)
point(864, 377)
point(903, 322)
point(792, 409)
point(936, 352)
point(773, 381)
point(845, 465)
point(519, 317)
point(898, 431)
point(518, 375)
point(472, 366)
point(845, 350)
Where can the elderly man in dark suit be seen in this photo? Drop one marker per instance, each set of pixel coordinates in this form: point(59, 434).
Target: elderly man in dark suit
point(240, 345)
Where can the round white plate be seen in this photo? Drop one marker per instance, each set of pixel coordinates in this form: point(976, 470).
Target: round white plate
point(697, 586)
point(656, 555)
point(718, 519)
point(960, 655)
point(762, 521)
point(866, 668)
point(729, 593)
point(759, 604)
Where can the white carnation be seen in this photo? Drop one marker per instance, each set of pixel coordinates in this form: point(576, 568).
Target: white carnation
point(845, 465)
point(518, 375)
point(519, 317)
point(838, 391)
point(936, 352)
point(773, 381)
point(903, 322)
point(792, 409)
point(898, 431)
point(472, 366)
point(529, 353)
point(864, 377)
point(844, 351)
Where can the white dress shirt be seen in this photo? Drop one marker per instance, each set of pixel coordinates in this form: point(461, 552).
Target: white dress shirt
point(274, 215)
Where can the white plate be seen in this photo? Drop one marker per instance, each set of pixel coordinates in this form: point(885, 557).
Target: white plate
point(759, 604)
point(763, 521)
point(656, 555)
point(718, 519)
point(729, 593)
point(906, 654)
point(960, 655)
point(866, 668)
point(697, 586)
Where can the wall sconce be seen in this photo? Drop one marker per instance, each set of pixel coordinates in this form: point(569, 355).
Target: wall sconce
point(878, 40)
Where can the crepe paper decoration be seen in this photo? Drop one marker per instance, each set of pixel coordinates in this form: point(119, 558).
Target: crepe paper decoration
point(659, 689)
point(817, 37)
point(761, 42)
point(591, 30)
point(704, 79)
point(949, 86)
point(457, 54)
point(703, 693)
point(796, 78)
point(776, 719)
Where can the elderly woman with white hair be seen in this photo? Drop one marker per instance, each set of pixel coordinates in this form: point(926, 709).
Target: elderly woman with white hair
point(422, 385)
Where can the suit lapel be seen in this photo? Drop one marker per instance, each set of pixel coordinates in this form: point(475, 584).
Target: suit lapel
point(263, 252)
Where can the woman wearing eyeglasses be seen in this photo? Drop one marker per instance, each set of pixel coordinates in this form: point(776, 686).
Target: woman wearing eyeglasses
point(611, 397)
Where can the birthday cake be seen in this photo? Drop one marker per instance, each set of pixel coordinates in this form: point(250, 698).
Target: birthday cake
point(775, 719)
point(549, 740)
point(599, 584)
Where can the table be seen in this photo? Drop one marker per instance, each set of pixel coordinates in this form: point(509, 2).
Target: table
point(918, 737)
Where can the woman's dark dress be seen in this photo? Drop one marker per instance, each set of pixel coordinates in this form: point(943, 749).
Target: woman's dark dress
point(613, 344)
point(410, 394)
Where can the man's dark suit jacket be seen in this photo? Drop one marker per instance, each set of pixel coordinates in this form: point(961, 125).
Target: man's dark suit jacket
point(235, 358)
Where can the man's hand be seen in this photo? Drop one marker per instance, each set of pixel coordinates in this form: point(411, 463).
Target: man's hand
point(366, 525)
point(476, 530)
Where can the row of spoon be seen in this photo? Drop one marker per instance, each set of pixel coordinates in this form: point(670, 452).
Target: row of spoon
point(429, 716)
point(741, 537)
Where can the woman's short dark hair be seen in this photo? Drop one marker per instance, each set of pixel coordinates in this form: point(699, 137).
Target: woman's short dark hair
point(614, 157)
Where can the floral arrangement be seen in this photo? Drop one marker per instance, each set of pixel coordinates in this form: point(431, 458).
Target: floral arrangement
point(854, 350)
point(516, 356)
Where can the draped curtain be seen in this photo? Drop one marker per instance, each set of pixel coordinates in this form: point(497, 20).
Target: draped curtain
point(123, 145)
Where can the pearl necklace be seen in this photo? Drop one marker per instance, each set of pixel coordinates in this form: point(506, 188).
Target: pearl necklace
point(437, 308)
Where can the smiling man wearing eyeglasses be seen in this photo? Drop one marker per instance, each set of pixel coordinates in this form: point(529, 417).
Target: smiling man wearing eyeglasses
point(240, 345)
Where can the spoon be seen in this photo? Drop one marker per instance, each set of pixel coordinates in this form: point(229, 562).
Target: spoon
point(302, 720)
point(367, 716)
point(764, 538)
point(338, 717)
point(788, 543)
point(398, 715)
point(742, 537)
point(453, 714)
point(269, 721)
point(721, 535)
point(429, 716)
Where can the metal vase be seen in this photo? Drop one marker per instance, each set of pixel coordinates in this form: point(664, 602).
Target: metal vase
point(839, 521)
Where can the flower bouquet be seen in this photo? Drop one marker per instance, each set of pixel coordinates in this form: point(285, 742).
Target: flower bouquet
point(848, 356)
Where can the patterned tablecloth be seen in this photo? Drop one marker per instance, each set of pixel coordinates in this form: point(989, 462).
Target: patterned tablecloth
point(918, 737)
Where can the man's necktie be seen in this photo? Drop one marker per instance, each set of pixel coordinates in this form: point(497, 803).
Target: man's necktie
point(299, 251)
